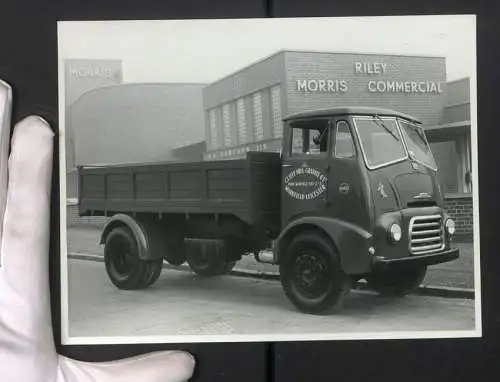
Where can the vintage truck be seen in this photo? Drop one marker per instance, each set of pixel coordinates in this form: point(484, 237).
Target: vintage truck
point(352, 195)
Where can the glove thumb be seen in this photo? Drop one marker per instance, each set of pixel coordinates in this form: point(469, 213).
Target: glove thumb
point(170, 366)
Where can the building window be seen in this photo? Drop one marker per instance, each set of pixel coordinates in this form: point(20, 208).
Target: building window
point(257, 116)
point(213, 129)
point(277, 124)
point(227, 125)
point(242, 126)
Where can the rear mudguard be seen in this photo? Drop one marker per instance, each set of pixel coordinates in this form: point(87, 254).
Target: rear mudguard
point(352, 242)
point(148, 236)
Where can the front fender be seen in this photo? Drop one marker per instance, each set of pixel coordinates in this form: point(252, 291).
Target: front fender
point(123, 220)
point(351, 241)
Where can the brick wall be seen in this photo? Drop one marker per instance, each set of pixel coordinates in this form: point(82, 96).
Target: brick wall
point(265, 73)
point(341, 66)
point(73, 218)
point(460, 209)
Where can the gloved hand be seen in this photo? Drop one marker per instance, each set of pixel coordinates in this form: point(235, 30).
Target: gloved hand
point(27, 350)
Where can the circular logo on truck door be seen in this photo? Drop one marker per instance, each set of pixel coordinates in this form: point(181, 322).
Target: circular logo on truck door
point(305, 183)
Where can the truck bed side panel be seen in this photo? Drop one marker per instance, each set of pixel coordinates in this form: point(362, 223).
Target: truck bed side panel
point(235, 187)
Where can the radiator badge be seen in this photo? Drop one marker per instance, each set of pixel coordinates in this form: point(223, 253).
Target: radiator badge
point(305, 183)
point(423, 195)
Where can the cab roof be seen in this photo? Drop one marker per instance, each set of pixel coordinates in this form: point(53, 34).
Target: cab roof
point(353, 110)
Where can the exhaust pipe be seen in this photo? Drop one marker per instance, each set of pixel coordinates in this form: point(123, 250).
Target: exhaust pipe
point(266, 257)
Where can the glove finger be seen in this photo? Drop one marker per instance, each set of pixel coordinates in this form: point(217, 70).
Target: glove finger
point(5, 121)
point(172, 366)
point(24, 272)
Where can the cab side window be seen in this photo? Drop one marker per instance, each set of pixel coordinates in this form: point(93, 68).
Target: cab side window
point(310, 138)
point(344, 142)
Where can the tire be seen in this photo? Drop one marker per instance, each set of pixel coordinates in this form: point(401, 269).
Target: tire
point(152, 273)
point(124, 267)
point(397, 283)
point(207, 259)
point(312, 276)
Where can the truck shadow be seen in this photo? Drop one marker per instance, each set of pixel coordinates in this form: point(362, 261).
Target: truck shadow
point(251, 293)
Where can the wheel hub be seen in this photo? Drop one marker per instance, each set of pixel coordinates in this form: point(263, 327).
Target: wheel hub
point(310, 273)
point(122, 262)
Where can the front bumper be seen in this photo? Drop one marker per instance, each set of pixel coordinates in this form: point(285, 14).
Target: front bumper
point(381, 264)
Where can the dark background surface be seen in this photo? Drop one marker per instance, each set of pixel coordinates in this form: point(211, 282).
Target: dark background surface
point(28, 61)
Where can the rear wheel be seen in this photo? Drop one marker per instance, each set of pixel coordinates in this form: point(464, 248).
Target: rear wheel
point(312, 276)
point(124, 267)
point(397, 283)
point(207, 259)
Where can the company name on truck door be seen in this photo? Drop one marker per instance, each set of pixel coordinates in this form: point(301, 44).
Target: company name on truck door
point(314, 187)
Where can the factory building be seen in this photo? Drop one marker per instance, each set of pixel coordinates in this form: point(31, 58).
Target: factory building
point(244, 110)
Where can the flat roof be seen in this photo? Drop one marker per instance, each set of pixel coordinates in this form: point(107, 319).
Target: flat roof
point(363, 53)
point(359, 110)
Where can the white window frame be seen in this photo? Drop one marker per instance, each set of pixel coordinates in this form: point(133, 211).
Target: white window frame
point(258, 117)
point(241, 121)
point(226, 124)
point(213, 129)
point(277, 123)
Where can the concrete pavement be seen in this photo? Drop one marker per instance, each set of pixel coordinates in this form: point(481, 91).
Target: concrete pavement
point(181, 303)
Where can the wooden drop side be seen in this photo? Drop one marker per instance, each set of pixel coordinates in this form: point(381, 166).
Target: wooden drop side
point(249, 189)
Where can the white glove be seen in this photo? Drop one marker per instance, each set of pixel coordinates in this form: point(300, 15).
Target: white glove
point(27, 350)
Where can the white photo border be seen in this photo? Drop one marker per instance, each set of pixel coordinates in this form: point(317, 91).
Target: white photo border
point(66, 339)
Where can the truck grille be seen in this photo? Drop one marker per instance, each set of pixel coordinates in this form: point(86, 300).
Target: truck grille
point(426, 234)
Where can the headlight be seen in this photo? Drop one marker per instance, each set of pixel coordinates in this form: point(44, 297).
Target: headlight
point(450, 226)
point(396, 233)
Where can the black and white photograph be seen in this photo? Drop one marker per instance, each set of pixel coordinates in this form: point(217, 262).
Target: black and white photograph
point(291, 179)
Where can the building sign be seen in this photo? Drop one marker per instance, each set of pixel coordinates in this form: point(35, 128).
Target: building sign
point(94, 72)
point(305, 183)
point(329, 86)
point(370, 69)
point(85, 75)
point(404, 87)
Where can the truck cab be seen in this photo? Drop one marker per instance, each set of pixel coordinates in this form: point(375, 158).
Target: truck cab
point(360, 193)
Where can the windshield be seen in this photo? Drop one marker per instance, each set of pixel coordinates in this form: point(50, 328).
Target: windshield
point(415, 140)
point(380, 140)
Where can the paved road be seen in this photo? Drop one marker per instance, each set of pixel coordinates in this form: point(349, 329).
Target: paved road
point(456, 274)
point(181, 303)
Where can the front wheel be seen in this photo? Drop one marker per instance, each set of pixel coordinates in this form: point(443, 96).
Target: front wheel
point(312, 276)
point(397, 283)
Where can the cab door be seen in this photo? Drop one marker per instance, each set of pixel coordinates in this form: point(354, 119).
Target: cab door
point(348, 195)
point(306, 156)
